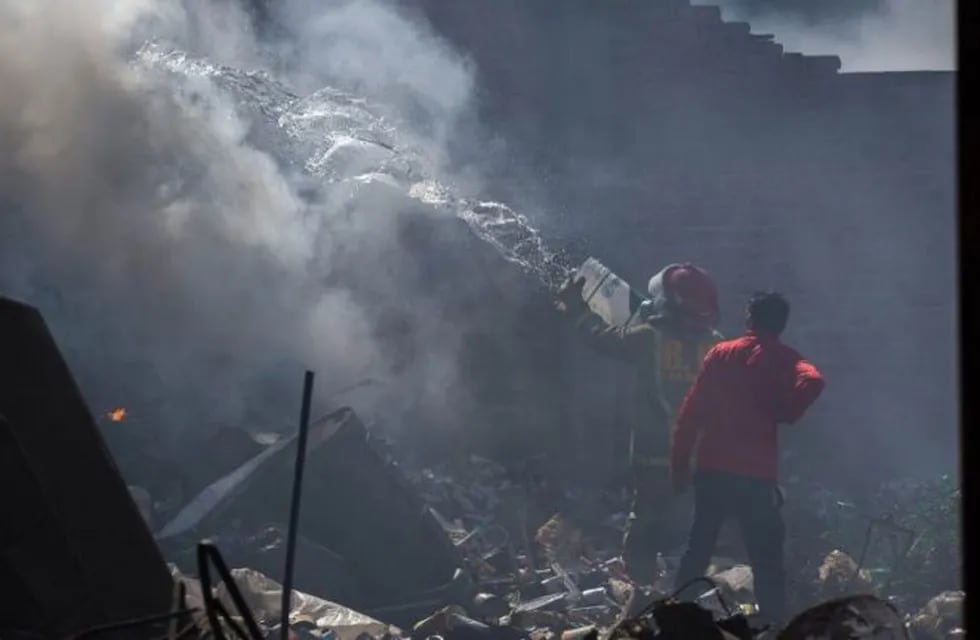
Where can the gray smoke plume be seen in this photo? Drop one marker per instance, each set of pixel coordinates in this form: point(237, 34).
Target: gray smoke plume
point(868, 35)
point(183, 264)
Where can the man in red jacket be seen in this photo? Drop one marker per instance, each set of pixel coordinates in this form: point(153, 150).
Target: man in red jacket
point(745, 388)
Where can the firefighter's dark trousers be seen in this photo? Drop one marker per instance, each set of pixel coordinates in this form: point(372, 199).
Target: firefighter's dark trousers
point(754, 503)
point(659, 521)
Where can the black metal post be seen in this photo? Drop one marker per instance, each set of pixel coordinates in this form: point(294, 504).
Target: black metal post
point(304, 427)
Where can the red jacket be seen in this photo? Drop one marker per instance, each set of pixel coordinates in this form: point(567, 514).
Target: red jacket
point(746, 387)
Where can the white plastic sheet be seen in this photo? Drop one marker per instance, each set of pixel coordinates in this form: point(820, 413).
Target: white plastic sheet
point(263, 596)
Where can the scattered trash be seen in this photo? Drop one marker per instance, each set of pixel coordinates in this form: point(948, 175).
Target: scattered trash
point(839, 575)
point(940, 617)
point(666, 619)
point(448, 551)
point(863, 616)
point(568, 588)
point(736, 583)
point(562, 542)
point(451, 623)
point(264, 599)
point(582, 633)
point(490, 606)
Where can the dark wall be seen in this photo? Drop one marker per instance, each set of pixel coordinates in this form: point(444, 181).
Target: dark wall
point(652, 132)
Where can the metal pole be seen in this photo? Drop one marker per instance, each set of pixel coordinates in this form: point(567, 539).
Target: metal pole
point(304, 427)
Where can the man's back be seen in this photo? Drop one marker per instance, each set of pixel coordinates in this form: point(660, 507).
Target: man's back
point(746, 387)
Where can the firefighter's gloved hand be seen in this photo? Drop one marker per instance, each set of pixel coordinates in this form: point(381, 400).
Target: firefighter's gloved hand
point(569, 299)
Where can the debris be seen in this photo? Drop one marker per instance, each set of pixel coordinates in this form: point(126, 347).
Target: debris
point(666, 619)
point(539, 604)
point(593, 597)
point(321, 570)
point(490, 606)
point(215, 494)
point(862, 616)
point(395, 551)
point(737, 583)
point(640, 600)
point(940, 617)
point(562, 542)
point(264, 598)
point(400, 558)
point(620, 590)
point(451, 623)
point(839, 576)
point(582, 633)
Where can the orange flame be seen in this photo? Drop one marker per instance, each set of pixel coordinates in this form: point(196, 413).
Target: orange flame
point(117, 415)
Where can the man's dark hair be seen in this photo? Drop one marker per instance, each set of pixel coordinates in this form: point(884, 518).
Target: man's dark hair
point(768, 312)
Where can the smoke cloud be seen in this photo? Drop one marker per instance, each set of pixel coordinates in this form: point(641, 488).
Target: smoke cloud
point(868, 35)
point(188, 269)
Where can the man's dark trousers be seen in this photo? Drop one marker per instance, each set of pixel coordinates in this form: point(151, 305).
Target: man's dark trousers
point(754, 503)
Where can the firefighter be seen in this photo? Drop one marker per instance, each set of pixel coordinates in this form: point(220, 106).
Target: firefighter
point(667, 347)
point(745, 389)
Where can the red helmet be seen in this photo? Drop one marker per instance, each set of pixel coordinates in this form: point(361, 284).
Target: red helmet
point(693, 293)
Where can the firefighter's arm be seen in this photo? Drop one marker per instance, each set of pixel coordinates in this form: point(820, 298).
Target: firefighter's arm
point(618, 342)
point(690, 420)
point(805, 387)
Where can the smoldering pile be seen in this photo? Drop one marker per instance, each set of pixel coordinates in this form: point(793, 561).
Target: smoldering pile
point(509, 566)
point(450, 555)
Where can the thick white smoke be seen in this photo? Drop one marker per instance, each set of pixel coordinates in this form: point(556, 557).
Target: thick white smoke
point(181, 266)
point(897, 35)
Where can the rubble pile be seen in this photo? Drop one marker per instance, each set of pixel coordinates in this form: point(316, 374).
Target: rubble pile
point(543, 564)
point(511, 516)
point(473, 551)
point(851, 617)
point(941, 618)
point(534, 568)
